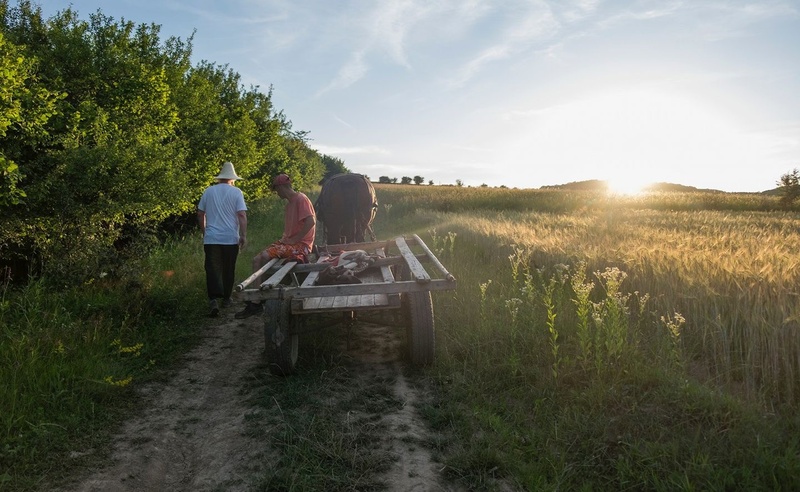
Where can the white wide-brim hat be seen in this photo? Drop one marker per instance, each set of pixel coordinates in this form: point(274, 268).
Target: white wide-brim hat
point(227, 172)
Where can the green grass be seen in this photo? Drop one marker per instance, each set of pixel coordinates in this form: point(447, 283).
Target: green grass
point(543, 385)
point(562, 363)
point(323, 424)
point(70, 357)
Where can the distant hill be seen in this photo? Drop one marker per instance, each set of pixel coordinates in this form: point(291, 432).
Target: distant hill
point(589, 185)
point(678, 187)
point(601, 185)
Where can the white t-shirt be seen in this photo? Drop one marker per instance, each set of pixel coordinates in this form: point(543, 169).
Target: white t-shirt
point(221, 203)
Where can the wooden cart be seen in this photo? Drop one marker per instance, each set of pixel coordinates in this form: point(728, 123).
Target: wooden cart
point(394, 280)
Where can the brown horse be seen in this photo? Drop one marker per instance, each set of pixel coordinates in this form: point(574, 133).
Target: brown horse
point(346, 207)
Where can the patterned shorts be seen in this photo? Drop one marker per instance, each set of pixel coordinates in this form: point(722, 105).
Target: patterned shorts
point(295, 252)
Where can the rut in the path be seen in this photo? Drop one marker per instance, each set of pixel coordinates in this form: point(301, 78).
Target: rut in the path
point(190, 436)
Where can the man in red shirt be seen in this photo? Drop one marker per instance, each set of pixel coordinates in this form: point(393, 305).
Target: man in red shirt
point(299, 229)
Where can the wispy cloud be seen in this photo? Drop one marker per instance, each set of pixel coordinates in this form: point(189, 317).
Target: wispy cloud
point(349, 73)
point(531, 22)
point(366, 149)
point(389, 25)
point(726, 20)
point(343, 122)
point(222, 13)
point(379, 31)
point(661, 9)
point(472, 67)
point(390, 30)
point(578, 10)
point(715, 20)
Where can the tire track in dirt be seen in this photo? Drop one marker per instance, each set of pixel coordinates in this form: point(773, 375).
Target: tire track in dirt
point(192, 435)
point(378, 349)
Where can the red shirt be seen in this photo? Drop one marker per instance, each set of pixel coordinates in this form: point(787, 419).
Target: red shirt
point(297, 209)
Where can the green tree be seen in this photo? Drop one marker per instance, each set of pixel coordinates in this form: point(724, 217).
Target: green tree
point(419, 180)
point(384, 179)
point(789, 187)
point(25, 108)
point(333, 166)
point(109, 133)
point(306, 168)
point(405, 180)
point(110, 156)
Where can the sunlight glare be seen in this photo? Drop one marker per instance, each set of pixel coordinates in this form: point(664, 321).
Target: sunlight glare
point(626, 185)
point(630, 137)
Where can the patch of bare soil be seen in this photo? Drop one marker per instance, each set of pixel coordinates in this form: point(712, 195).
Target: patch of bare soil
point(379, 349)
point(192, 436)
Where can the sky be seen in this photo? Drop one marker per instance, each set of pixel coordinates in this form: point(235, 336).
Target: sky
point(517, 93)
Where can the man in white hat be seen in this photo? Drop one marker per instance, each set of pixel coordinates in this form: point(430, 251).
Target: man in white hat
point(222, 215)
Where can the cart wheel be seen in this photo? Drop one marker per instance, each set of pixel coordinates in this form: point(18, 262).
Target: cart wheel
point(417, 309)
point(281, 347)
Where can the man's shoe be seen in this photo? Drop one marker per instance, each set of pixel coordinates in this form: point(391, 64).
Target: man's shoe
point(213, 308)
point(250, 309)
point(226, 303)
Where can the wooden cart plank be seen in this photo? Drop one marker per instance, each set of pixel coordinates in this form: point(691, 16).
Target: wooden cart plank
point(312, 303)
point(380, 300)
point(347, 303)
point(388, 261)
point(379, 289)
point(432, 257)
point(366, 300)
point(417, 270)
point(386, 272)
point(276, 277)
point(355, 301)
point(310, 279)
point(326, 302)
point(298, 292)
point(337, 248)
point(252, 278)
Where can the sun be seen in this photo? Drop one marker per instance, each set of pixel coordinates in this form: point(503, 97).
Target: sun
point(628, 136)
point(626, 185)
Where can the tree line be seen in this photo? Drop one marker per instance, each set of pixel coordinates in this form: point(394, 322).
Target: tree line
point(418, 180)
point(109, 134)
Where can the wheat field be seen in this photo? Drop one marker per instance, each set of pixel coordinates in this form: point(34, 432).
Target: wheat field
point(731, 274)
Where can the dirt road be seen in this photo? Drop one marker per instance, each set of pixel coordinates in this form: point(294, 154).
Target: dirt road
point(198, 433)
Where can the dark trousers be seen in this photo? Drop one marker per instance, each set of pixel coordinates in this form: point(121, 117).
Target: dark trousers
point(220, 269)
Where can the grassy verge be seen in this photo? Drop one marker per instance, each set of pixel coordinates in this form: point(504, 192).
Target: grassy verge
point(70, 358)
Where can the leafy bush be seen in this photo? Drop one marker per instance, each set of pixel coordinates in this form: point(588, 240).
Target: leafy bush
point(116, 134)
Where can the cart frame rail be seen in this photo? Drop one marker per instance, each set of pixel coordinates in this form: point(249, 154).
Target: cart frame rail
point(390, 281)
point(277, 287)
